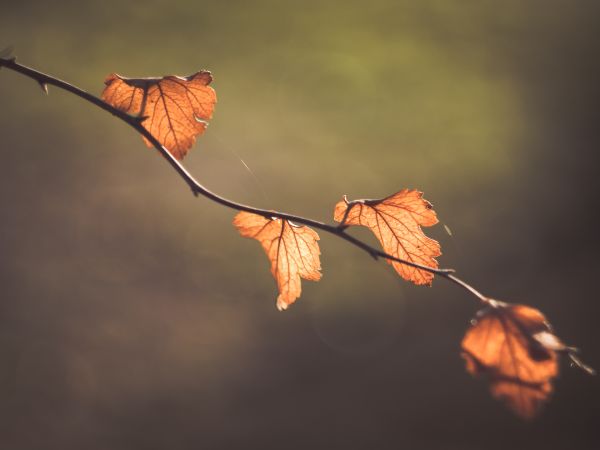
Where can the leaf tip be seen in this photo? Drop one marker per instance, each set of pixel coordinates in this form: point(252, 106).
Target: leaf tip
point(282, 305)
point(110, 78)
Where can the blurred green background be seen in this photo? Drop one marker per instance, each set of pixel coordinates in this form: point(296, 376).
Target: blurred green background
point(132, 316)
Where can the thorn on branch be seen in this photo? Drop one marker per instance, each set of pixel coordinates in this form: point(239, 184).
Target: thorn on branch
point(44, 87)
point(138, 119)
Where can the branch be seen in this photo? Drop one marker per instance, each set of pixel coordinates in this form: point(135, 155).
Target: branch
point(198, 189)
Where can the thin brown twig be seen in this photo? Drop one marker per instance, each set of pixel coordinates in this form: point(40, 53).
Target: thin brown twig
point(198, 189)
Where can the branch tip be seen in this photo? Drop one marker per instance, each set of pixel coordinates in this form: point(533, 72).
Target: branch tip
point(575, 361)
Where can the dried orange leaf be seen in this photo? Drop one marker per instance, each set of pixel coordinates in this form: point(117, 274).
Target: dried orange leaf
point(176, 109)
point(396, 221)
point(292, 249)
point(515, 347)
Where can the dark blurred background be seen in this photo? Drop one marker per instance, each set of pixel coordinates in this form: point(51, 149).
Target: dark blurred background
point(132, 316)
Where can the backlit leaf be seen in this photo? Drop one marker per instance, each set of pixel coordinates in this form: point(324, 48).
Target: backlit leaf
point(515, 347)
point(176, 109)
point(292, 249)
point(396, 221)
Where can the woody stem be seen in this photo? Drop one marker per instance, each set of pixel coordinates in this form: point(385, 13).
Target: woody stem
point(198, 189)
